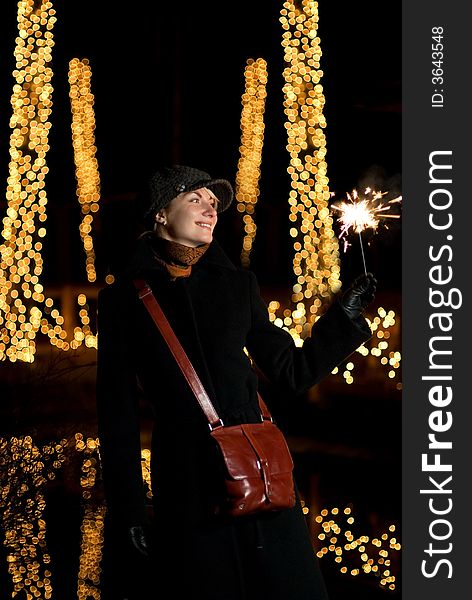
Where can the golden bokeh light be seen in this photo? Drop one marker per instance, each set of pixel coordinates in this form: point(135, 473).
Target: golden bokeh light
point(21, 263)
point(372, 554)
point(252, 141)
point(86, 166)
point(316, 258)
point(25, 311)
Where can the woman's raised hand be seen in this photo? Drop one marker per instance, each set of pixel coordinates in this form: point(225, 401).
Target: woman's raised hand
point(359, 295)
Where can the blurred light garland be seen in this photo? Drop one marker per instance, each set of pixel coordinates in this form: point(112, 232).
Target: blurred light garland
point(24, 471)
point(316, 262)
point(21, 264)
point(146, 470)
point(316, 259)
point(374, 552)
point(21, 261)
point(93, 522)
point(252, 141)
point(83, 140)
point(380, 346)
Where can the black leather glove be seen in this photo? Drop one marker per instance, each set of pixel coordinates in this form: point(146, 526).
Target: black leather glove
point(139, 538)
point(359, 295)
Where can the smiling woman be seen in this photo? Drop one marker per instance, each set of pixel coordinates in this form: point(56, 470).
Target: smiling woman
point(191, 545)
point(189, 219)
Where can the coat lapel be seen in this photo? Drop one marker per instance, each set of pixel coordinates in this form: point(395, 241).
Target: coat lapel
point(175, 298)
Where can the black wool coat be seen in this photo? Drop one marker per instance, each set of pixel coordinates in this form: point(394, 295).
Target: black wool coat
point(216, 313)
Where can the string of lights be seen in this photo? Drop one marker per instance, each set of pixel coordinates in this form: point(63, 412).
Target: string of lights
point(24, 309)
point(316, 258)
point(23, 226)
point(146, 470)
point(250, 149)
point(316, 263)
point(92, 528)
point(24, 471)
point(83, 140)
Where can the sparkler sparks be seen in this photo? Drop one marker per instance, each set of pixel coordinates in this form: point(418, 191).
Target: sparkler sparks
point(363, 212)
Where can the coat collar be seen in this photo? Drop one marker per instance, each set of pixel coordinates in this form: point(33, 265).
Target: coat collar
point(216, 256)
point(142, 261)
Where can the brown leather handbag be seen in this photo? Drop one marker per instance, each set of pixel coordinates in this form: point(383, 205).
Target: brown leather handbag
point(256, 460)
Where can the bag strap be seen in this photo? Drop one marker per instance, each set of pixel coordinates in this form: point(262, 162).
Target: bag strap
point(152, 305)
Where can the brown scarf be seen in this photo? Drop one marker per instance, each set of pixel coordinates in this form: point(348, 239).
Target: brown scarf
point(176, 258)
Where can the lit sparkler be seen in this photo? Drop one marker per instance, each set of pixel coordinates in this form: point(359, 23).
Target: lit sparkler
point(363, 212)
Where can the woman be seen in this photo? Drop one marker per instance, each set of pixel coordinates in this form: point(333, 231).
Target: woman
point(216, 312)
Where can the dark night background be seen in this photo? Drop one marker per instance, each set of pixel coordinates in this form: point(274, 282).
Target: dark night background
point(168, 80)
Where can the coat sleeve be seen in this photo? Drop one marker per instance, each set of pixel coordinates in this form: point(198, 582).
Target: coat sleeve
point(333, 338)
point(118, 415)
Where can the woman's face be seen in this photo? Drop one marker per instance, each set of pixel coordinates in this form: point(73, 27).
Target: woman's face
point(189, 219)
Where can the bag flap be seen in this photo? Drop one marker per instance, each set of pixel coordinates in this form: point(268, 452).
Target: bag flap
point(243, 446)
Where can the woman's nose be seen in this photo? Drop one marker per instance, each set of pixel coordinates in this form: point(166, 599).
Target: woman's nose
point(210, 210)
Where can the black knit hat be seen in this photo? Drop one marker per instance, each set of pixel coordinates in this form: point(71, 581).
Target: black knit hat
point(169, 182)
